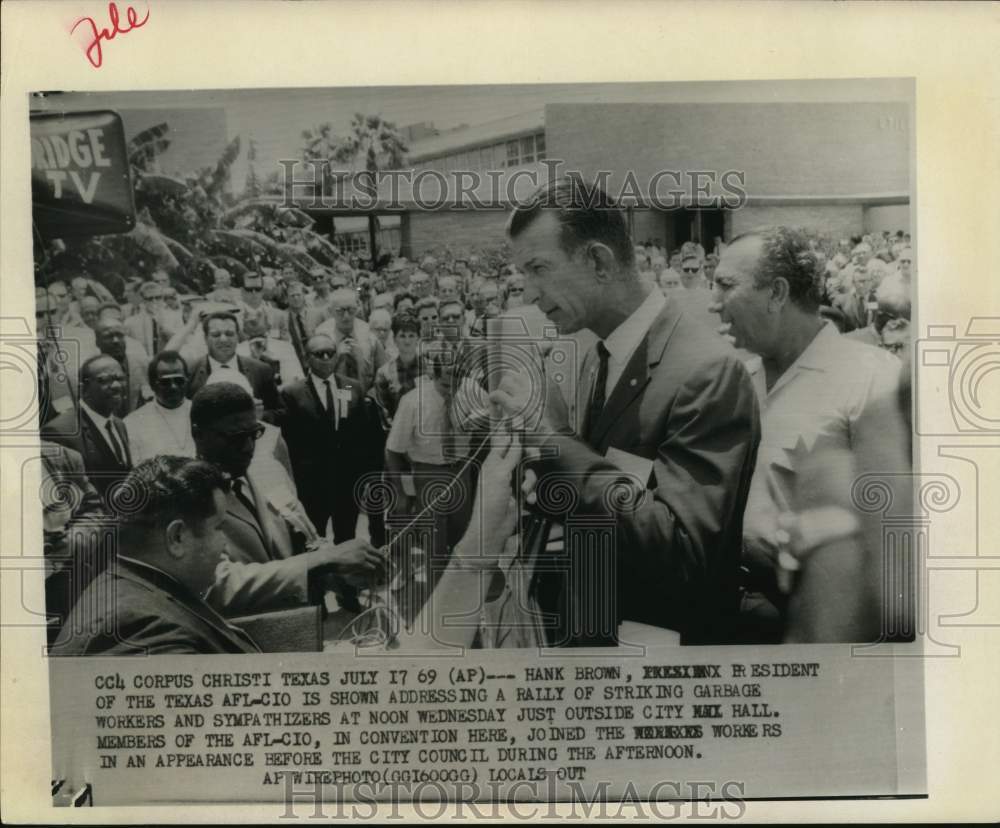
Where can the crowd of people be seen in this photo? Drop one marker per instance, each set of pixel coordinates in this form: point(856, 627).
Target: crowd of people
point(338, 440)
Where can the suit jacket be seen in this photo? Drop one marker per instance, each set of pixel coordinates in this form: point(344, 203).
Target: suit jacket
point(75, 430)
point(261, 571)
point(686, 402)
point(323, 456)
point(135, 609)
point(260, 375)
point(141, 326)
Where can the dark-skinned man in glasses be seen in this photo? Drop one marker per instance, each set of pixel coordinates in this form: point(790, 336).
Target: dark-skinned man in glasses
point(275, 559)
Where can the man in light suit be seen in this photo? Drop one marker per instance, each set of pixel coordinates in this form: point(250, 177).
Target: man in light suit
point(275, 558)
point(222, 338)
point(92, 428)
point(147, 325)
point(671, 399)
point(299, 322)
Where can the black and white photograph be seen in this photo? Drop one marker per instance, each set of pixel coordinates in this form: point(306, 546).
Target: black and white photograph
point(480, 442)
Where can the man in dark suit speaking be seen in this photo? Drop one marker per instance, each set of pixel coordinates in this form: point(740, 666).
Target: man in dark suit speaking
point(660, 397)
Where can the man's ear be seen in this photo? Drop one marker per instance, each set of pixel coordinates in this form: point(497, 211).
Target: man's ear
point(780, 291)
point(176, 532)
point(602, 260)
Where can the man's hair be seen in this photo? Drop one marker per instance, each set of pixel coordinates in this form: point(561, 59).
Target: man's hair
point(688, 256)
point(147, 287)
point(380, 313)
point(325, 336)
point(344, 293)
point(213, 402)
point(447, 277)
point(400, 297)
point(159, 359)
point(109, 306)
point(586, 214)
point(219, 315)
point(89, 361)
point(405, 321)
point(786, 254)
point(160, 490)
point(426, 302)
point(449, 302)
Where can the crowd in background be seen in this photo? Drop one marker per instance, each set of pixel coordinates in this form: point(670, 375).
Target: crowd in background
point(344, 403)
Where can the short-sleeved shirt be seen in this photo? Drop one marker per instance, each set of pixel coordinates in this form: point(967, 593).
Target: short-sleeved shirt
point(814, 404)
point(421, 422)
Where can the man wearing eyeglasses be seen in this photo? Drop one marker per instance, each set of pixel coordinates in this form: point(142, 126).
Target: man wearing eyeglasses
point(889, 328)
point(332, 439)
point(147, 325)
point(92, 428)
point(353, 338)
point(254, 306)
point(275, 557)
point(163, 426)
point(692, 276)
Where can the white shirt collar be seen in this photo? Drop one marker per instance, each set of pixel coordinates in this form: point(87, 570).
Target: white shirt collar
point(320, 387)
point(214, 365)
point(101, 422)
point(626, 337)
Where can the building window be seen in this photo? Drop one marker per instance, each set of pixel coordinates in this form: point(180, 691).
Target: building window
point(513, 157)
point(528, 149)
point(540, 146)
point(485, 159)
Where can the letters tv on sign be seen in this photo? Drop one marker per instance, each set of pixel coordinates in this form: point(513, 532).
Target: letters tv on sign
point(80, 182)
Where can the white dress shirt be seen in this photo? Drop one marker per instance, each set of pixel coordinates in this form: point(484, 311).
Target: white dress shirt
point(102, 426)
point(320, 386)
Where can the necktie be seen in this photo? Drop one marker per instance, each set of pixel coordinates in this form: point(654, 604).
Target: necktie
point(156, 338)
point(598, 397)
point(331, 406)
point(301, 325)
point(244, 498)
point(449, 442)
point(116, 446)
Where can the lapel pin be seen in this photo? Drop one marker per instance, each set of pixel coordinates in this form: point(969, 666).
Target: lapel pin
point(632, 382)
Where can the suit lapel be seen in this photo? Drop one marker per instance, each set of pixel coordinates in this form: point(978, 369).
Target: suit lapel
point(260, 502)
point(584, 390)
point(240, 513)
point(637, 373)
point(96, 443)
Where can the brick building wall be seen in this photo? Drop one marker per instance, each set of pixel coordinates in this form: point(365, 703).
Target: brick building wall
point(785, 149)
point(836, 220)
point(458, 229)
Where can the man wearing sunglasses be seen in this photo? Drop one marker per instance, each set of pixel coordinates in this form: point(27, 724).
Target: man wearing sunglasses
point(692, 276)
point(333, 439)
point(163, 426)
point(275, 558)
point(254, 306)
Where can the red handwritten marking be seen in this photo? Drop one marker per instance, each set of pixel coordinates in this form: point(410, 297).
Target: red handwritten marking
point(94, 52)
